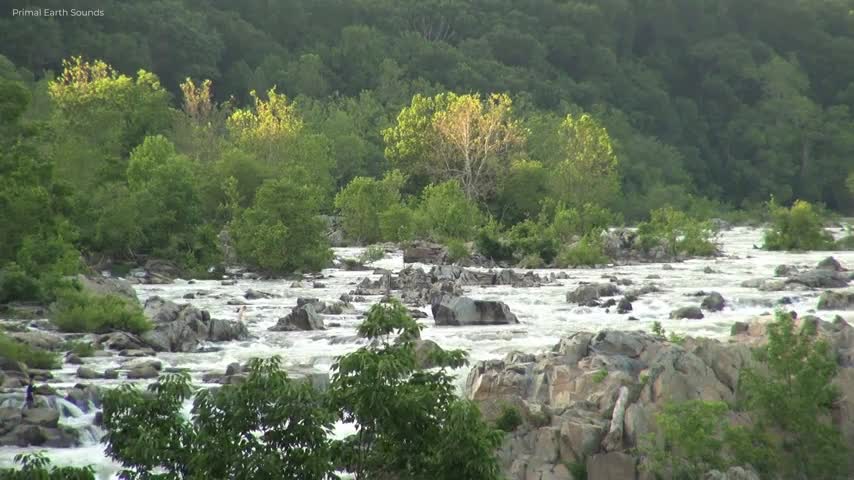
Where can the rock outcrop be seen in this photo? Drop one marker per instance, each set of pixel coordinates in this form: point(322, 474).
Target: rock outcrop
point(302, 317)
point(588, 295)
point(464, 311)
point(574, 413)
point(827, 274)
point(836, 301)
point(181, 328)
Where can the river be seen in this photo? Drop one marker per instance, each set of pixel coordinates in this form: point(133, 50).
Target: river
point(543, 314)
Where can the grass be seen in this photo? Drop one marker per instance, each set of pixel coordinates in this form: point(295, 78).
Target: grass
point(372, 254)
point(32, 357)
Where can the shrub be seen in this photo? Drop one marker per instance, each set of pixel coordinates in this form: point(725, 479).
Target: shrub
point(362, 202)
point(32, 357)
point(600, 376)
point(509, 420)
point(586, 252)
point(677, 233)
point(532, 238)
point(81, 349)
point(531, 261)
point(282, 232)
point(577, 222)
point(36, 466)
point(78, 311)
point(372, 254)
point(795, 397)
point(657, 329)
point(16, 285)
point(796, 228)
point(491, 244)
point(457, 250)
point(445, 212)
point(397, 223)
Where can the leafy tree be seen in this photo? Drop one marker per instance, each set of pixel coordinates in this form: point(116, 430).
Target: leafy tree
point(677, 233)
point(796, 228)
point(588, 171)
point(446, 213)
point(451, 441)
point(795, 397)
point(362, 203)
point(456, 137)
point(281, 232)
point(269, 426)
point(522, 191)
point(37, 466)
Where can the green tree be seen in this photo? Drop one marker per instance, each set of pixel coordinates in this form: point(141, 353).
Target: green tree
point(37, 466)
point(588, 171)
point(362, 203)
point(282, 232)
point(795, 397)
point(446, 213)
point(522, 191)
point(268, 426)
point(422, 430)
point(797, 228)
point(456, 137)
point(678, 233)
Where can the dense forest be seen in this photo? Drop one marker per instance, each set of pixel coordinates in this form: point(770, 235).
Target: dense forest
point(147, 130)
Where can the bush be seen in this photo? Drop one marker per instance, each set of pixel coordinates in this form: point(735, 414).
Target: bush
point(677, 233)
point(446, 213)
point(81, 349)
point(32, 357)
point(282, 232)
point(846, 242)
point(532, 238)
point(491, 244)
point(36, 466)
point(509, 420)
point(362, 203)
point(570, 223)
point(794, 397)
point(457, 250)
point(586, 252)
point(796, 228)
point(372, 254)
point(77, 311)
point(397, 223)
point(17, 286)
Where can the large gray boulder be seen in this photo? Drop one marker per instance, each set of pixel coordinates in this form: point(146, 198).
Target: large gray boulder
point(836, 301)
point(302, 317)
point(687, 312)
point(181, 328)
point(108, 286)
point(425, 252)
point(713, 302)
point(460, 311)
point(589, 294)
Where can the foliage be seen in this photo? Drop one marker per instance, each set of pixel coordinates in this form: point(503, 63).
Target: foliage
point(36, 466)
point(456, 137)
point(445, 213)
point(281, 232)
point(795, 397)
point(691, 440)
point(78, 311)
point(16, 285)
point(588, 171)
point(509, 420)
point(657, 329)
point(586, 252)
point(586, 220)
point(363, 202)
point(81, 349)
point(372, 254)
point(31, 356)
point(397, 223)
point(600, 376)
point(491, 243)
point(522, 190)
point(532, 238)
point(451, 441)
point(677, 233)
point(797, 228)
point(457, 250)
point(237, 431)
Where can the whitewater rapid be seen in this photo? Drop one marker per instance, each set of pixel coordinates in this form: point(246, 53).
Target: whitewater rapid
point(544, 316)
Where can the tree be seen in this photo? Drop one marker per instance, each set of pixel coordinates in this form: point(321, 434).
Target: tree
point(522, 191)
point(796, 228)
point(422, 430)
point(446, 213)
point(587, 172)
point(269, 426)
point(456, 137)
point(795, 397)
point(363, 201)
point(281, 232)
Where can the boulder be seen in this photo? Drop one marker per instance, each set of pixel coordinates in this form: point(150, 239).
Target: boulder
point(87, 373)
point(687, 312)
point(425, 252)
point(256, 295)
point(181, 328)
point(42, 417)
point(819, 278)
point(461, 311)
point(108, 286)
point(831, 264)
point(424, 352)
point(624, 306)
point(38, 339)
point(713, 302)
point(120, 341)
point(145, 371)
point(836, 301)
point(785, 270)
point(589, 294)
point(302, 317)
point(612, 466)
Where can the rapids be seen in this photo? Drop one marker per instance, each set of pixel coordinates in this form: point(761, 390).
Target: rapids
point(543, 313)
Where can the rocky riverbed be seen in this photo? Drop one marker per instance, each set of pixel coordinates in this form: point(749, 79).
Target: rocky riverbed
point(503, 312)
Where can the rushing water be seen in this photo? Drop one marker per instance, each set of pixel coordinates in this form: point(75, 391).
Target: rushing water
point(543, 313)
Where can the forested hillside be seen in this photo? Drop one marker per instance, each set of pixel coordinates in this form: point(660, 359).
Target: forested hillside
point(731, 99)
